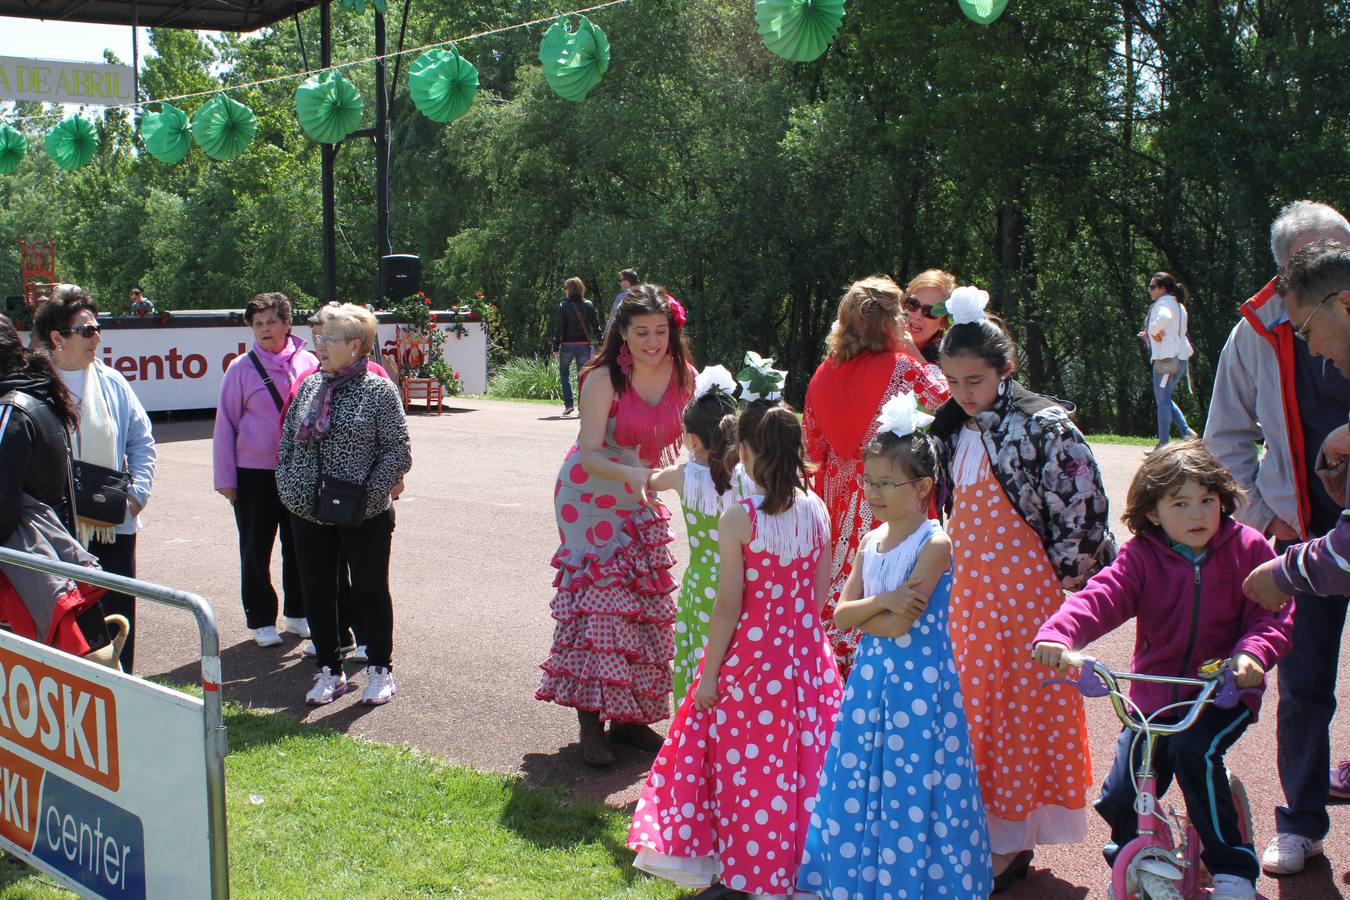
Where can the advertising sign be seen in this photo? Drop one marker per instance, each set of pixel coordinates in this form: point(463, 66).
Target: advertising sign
point(181, 368)
point(56, 81)
point(102, 781)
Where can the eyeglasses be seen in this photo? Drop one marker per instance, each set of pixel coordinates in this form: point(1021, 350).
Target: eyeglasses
point(1302, 331)
point(866, 484)
point(84, 331)
point(912, 305)
point(323, 340)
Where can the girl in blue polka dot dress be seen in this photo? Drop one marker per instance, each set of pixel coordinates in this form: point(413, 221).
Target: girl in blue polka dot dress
point(899, 813)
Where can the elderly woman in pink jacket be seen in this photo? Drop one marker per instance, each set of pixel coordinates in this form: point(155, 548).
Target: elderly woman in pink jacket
point(247, 437)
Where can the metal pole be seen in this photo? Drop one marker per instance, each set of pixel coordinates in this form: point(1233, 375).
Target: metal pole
point(135, 59)
point(329, 156)
point(382, 243)
point(213, 719)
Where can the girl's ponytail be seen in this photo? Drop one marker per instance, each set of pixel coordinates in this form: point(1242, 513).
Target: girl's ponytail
point(775, 435)
point(722, 453)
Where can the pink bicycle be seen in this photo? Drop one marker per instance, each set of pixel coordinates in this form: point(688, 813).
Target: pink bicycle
point(1153, 866)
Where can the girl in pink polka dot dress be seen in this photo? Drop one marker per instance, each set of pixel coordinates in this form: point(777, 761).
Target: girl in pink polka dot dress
point(1028, 520)
point(729, 798)
point(613, 640)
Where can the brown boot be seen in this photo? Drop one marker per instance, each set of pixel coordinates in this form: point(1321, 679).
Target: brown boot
point(595, 749)
point(635, 734)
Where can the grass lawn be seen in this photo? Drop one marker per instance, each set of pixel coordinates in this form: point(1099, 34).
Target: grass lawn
point(1121, 439)
point(315, 812)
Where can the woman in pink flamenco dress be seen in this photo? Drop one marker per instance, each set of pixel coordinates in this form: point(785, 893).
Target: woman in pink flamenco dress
point(614, 639)
point(729, 798)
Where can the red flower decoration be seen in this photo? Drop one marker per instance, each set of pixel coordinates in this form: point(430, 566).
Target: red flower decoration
point(427, 301)
point(676, 309)
point(478, 294)
point(433, 318)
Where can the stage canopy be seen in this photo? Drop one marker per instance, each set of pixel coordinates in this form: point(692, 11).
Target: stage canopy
point(198, 15)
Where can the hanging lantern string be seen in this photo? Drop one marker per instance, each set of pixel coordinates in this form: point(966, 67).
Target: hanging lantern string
point(339, 66)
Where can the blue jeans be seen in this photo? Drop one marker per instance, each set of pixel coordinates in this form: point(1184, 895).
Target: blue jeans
point(1168, 411)
point(581, 353)
point(1195, 759)
point(1307, 685)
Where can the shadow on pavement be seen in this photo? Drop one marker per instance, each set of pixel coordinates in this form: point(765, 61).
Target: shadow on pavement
point(566, 770)
point(535, 815)
point(1043, 884)
point(1317, 881)
point(175, 427)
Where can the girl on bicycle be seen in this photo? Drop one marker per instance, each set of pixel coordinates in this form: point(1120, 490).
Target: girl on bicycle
point(1180, 578)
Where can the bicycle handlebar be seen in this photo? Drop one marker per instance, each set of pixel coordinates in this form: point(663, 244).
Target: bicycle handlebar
point(1096, 680)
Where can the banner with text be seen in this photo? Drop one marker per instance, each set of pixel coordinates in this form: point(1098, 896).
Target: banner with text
point(102, 780)
point(57, 81)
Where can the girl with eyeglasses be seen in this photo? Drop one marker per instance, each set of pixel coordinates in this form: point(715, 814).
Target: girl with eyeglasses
point(866, 365)
point(114, 432)
point(1170, 350)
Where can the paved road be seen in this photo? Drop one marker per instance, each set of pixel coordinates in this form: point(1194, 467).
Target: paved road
point(472, 586)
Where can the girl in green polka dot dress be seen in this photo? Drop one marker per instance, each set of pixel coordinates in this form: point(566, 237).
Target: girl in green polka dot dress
point(709, 482)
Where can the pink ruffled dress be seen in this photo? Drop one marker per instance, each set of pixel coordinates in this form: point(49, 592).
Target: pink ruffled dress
point(614, 638)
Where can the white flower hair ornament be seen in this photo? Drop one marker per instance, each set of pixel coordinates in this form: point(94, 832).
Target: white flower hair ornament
point(901, 416)
point(966, 305)
point(714, 378)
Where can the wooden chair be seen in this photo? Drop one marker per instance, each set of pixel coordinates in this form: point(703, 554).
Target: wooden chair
point(428, 389)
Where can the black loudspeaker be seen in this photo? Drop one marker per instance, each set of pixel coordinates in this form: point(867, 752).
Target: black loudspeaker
point(402, 275)
point(13, 303)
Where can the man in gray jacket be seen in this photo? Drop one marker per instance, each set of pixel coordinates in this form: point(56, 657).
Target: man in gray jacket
point(1270, 389)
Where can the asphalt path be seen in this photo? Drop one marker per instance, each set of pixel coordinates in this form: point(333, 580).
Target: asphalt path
point(472, 585)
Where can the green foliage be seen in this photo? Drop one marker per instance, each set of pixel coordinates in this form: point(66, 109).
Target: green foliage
point(526, 378)
point(1054, 157)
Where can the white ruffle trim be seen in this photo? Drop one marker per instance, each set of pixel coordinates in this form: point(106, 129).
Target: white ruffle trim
point(686, 871)
point(970, 457)
point(796, 531)
point(887, 571)
point(1046, 825)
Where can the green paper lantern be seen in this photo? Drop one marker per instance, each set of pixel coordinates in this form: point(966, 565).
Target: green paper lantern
point(223, 127)
point(13, 147)
point(359, 6)
point(442, 84)
point(982, 11)
point(329, 107)
point(574, 61)
point(798, 30)
point(72, 143)
point(166, 134)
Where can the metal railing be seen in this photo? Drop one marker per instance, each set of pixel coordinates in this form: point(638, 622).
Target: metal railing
point(213, 717)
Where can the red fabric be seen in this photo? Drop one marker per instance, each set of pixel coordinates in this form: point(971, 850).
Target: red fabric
point(844, 399)
point(64, 634)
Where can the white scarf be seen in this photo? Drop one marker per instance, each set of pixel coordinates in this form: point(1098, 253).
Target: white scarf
point(96, 442)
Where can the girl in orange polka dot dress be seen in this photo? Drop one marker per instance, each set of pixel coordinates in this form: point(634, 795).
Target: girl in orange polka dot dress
point(1028, 519)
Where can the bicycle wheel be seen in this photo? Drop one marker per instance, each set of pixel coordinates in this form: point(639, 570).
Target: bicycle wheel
point(1155, 887)
point(1244, 808)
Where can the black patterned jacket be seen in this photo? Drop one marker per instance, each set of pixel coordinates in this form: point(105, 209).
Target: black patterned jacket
point(368, 444)
point(1047, 470)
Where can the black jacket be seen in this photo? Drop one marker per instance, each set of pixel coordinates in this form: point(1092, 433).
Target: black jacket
point(34, 455)
point(568, 327)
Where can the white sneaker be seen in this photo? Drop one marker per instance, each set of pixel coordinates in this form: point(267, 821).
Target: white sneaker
point(327, 687)
point(1233, 887)
point(297, 627)
point(1288, 853)
point(346, 650)
point(359, 654)
point(267, 636)
point(380, 686)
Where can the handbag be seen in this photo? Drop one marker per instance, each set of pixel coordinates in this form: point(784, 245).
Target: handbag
point(1170, 365)
point(101, 494)
point(338, 502)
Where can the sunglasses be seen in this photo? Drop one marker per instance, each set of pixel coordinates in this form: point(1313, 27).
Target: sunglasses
point(912, 305)
point(84, 331)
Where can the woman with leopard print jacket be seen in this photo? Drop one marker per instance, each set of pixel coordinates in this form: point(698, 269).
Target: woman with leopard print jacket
point(347, 424)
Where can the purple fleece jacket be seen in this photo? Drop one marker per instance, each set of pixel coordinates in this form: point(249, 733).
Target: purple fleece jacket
point(1320, 566)
point(248, 425)
point(1185, 612)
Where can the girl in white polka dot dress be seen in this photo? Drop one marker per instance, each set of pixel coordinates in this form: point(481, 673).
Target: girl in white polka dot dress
point(1028, 520)
point(899, 813)
point(730, 794)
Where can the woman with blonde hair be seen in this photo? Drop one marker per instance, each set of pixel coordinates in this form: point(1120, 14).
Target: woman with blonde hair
point(871, 358)
point(344, 447)
point(924, 298)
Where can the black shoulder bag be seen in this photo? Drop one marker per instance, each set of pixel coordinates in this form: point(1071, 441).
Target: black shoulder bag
point(266, 380)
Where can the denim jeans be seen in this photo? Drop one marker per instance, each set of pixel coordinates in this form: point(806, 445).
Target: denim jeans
point(581, 353)
point(1307, 685)
point(1168, 411)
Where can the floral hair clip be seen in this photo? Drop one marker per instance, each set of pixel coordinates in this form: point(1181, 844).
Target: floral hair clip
point(759, 379)
point(965, 305)
point(901, 416)
point(676, 310)
point(714, 378)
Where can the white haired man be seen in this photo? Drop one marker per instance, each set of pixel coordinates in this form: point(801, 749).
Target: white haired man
point(1269, 388)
